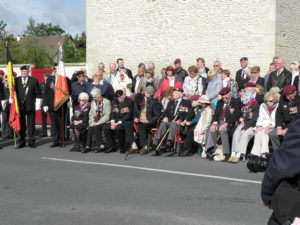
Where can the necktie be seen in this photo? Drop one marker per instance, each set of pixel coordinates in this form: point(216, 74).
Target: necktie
point(24, 82)
point(222, 117)
point(243, 74)
point(176, 103)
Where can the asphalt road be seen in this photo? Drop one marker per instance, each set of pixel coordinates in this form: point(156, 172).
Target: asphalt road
point(54, 186)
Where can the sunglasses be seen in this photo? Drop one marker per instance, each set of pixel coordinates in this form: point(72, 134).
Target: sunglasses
point(216, 66)
point(80, 76)
point(269, 101)
point(81, 100)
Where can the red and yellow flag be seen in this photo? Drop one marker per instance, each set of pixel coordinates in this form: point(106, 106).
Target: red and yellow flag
point(14, 116)
point(61, 91)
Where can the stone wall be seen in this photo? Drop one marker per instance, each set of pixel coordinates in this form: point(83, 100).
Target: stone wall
point(160, 31)
point(288, 30)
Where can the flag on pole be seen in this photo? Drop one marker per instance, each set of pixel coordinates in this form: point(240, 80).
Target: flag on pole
point(14, 116)
point(61, 91)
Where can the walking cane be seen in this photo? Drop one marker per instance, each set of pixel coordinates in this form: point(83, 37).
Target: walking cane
point(165, 135)
point(136, 130)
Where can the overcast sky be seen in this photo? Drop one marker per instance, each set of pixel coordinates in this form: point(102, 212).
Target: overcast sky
point(68, 14)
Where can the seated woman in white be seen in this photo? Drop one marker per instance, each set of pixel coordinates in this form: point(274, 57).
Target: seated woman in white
point(265, 123)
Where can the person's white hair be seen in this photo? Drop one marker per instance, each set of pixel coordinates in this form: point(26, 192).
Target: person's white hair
point(84, 96)
point(218, 61)
point(95, 92)
point(123, 71)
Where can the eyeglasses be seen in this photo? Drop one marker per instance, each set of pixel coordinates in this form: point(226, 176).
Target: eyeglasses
point(80, 76)
point(269, 101)
point(216, 66)
point(81, 100)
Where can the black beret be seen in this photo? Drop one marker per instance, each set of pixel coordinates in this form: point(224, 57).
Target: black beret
point(118, 94)
point(24, 67)
point(79, 73)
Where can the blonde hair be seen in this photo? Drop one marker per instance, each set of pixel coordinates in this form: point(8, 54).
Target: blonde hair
point(272, 95)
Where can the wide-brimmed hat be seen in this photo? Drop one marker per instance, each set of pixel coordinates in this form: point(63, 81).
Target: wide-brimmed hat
point(204, 99)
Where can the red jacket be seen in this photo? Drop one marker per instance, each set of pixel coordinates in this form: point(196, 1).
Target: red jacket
point(165, 84)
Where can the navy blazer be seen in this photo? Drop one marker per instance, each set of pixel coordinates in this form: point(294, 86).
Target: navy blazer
point(153, 110)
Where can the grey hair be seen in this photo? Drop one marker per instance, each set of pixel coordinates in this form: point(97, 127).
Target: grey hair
point(151, 63)
point(218, 61)
point(84, 96)
point(123, 71)
point(150, 90)
point(113, 63)
point(101, 64)
point(95, 92)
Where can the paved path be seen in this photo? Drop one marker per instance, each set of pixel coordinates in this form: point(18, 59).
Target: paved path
point(54, 186)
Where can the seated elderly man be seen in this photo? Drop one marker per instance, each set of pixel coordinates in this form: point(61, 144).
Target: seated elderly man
point(287, 110)
point(175, 113)
point(120, 127)
point(146, 113)
point(225, 120)
point(98, 117)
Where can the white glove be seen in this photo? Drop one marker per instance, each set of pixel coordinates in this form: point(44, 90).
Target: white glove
point(4, 103)
point(10, 100)
point(38, 103)
point(45, 108)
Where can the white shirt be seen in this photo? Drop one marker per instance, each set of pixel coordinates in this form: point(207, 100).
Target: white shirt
point(172, 81)
point(137, 83)
point(177, 106)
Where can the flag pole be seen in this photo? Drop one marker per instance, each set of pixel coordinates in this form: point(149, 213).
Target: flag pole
point(15, 140)
point(63, 126)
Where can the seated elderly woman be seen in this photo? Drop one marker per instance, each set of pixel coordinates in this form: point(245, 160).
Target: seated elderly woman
point(265, 123)
point(80, 122)
point(98, 117)
point(245, 131)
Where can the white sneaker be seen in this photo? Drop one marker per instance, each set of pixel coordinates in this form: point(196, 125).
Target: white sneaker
point(203, 155)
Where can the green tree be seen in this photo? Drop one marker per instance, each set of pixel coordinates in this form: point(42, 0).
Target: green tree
point(42, 29)
point(74, 50)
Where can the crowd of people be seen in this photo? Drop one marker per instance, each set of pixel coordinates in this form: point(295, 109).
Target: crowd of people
point(177, 111)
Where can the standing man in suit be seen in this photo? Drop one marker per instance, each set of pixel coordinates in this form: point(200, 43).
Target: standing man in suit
point(281, 77)
point(43, 113)
point(55, 116)
point(27, 90)
point(241, 76)
point(120, 63)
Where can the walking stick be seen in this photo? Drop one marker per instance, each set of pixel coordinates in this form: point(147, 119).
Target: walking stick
point(165, 135)
point(136, 130)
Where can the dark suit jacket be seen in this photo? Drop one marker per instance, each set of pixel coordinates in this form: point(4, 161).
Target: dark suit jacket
point(281, 81)
point(153, 110)
point(48, 96)
point(250, 116)
point(232, 114)
point(26, 99)
point(286, 111)
point(122, 112)
point(260, 81)
point(182, 110)
point(238, 77)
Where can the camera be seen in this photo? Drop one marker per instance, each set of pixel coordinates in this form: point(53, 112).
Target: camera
point(258, 164)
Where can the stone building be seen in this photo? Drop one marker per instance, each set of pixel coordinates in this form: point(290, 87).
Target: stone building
point(162, 30)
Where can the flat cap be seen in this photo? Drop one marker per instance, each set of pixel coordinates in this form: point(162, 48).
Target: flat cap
point(178, 89)
point(224, 91)
point(118, 94)
point(79, 73)
point(250, 84)
point(25, 67)
point(290, 89)
point(194, 98)
point(177, 61)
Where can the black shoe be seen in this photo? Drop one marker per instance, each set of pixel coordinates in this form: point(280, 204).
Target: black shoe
point(44, 135)
point(170, 154)
point(0, 147)
point(156, 153)
point(74, 149)
point(85, 150)
point(32, 145)
point(54, 144)
point(21, 145)
point(123, 150)
point(110, 149)
point(188, 153)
